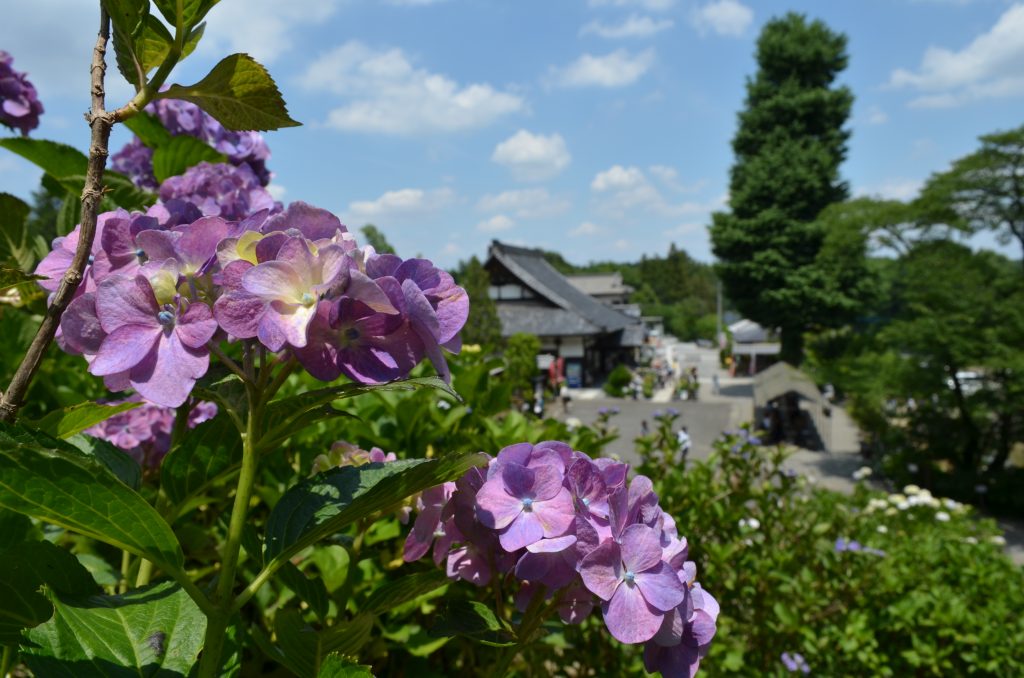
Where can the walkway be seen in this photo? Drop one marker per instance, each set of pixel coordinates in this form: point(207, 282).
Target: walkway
point(712, 413)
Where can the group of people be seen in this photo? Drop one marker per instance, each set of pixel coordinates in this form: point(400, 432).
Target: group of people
point(689, 384)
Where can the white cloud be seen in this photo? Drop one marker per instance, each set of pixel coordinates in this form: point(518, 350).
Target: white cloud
point(652, 5)
point(685, 229)
point(892, 189)
point(277, 191)
point(497, 223)
point(387, 94)
point(622, 244)
point(988, 68)
point(266, 29)
point(400, 205)
point(622, 191)
point(528, 203)
point(634, 26)
point(669, 177)
point(617, 69)
point(532, 157)
point(415, 3)
point(585, 229)
point(618, 178)
point(876, 116)
point(724, 17)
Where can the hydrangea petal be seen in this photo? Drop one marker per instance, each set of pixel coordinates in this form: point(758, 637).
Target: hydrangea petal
point(641, 549)
point(601, 570)
point(629, 617)
point(661, 587)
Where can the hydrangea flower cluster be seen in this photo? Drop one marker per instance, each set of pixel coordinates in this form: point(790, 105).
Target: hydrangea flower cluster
point(220, 190)
point(163, 288)
point(145, 431)
point(555, 518)
point(344, 453)
point(20, 107)
point(183, 118)
point(19, 104)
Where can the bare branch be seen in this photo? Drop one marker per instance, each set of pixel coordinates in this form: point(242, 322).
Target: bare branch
point(101, 122)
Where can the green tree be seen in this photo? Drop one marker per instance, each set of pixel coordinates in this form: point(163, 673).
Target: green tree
point(376, 238)
point(789, 145)
point(985, 190)
point(521, 361)
point(483, 326)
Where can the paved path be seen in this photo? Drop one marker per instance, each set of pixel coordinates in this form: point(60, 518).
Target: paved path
point(712, 413)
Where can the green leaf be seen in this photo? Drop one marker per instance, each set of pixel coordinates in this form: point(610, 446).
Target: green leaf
point(12, 277)
point(302, 648)
point(52, 480)
point(474, 620)
point(70, 213)
point(58, 568)
point(338, 666)
point(56, 159)
point(22, 606)
point(115, 459)
point(75, 419)
point(152, 631)
point(206, 452)
point(239, 93)
point(180, 153)
point(128, 18)
point(14, 244)
point(14, 528)
point(401, 591)
point(193, 11)
point(139, 54)
point(309, 590)
point(119, 191)
point(329, 501)
point(148, 129)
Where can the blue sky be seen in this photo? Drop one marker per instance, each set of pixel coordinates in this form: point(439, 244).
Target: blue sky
point(599, 128)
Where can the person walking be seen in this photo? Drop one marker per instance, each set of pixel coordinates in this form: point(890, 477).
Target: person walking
point(683, 438)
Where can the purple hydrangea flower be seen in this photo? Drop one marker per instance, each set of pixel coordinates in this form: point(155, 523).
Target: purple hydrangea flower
point(794, 662)
point(158, 344)
point(144, 433)
point(20, 107)
point(135, 160)
point(684, 637)
point(429, 525)
point(220, 190)
point(525, 504)
point(638, 587)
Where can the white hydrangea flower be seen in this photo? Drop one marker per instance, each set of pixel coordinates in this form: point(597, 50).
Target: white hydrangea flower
point(911, 489)
point(882, 529)
point(862, 473)
point(942, 516)
point(998, 540)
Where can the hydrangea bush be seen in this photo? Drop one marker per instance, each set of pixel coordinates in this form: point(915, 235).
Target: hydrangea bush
point(875, 583)
point(196, 512)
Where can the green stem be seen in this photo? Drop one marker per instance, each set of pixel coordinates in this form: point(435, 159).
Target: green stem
point(145, 572)
point(126, 566)
point(5, 665)
point(209, 663)
point(534, 616)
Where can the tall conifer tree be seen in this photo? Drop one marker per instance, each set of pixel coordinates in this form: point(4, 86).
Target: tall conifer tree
point(789, 145)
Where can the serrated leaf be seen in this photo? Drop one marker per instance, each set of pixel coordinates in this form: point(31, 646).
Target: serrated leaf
point(180, 153)
point(239, 93)
point(128, 18)
point(12, 277)
point(206, 452)
point(70, 213)
point(193, 11)
point(14, 245)
point(401, 591)
point(67, 422)
point(115, 459)
point(332, 500)
point(51, 480)
point(302, 648)
point(56, 159)
point(58, 568)
point(148, 129)
point(474, 620)
point(152, 631)
point(309, 590)
point(338, 666)
point(23, 607)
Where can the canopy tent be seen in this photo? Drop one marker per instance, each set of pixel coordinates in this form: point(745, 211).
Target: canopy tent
point(781, 379)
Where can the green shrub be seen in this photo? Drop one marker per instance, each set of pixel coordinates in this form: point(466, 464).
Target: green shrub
point(929, 591)
point(617, 382)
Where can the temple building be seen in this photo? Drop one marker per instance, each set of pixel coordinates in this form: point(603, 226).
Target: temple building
point(532, 297)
